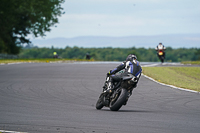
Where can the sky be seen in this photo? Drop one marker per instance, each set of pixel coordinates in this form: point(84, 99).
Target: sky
point(127, 18)
point(122, 18)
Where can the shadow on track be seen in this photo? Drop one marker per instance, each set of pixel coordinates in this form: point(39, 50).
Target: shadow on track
point(136, 111)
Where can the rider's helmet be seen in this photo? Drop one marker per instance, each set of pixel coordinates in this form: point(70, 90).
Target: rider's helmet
point(131, 57)
point(160, 43)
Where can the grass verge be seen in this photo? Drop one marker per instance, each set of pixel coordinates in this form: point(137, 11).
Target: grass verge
point(191, 62)
point(183, 77)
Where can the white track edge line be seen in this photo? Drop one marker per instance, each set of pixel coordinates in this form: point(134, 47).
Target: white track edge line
point(5, 131)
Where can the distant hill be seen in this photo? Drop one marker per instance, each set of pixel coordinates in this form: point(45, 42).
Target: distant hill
point(174, 41)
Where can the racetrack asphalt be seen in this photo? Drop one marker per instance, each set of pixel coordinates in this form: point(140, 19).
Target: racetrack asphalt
point(61, 98)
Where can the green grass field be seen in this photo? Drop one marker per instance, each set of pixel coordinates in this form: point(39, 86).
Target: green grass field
point(183, 77)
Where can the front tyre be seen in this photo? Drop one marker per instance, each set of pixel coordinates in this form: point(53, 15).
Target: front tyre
point(99, 104)
point(162, 59)
point(118, 100)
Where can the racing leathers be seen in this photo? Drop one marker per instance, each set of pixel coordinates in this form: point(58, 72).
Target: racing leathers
point(160, 47)
point(131, 67)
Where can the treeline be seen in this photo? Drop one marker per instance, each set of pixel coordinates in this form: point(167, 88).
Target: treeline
point(20, 18)
point(113, 54)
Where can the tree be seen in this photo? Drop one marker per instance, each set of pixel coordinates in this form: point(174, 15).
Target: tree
point(19, 18)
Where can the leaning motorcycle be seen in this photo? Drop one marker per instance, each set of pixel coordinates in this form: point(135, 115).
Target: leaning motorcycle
point(119, 95)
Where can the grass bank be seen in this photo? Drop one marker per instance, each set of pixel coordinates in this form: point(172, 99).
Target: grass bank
point(191, 62)
point(183, 77)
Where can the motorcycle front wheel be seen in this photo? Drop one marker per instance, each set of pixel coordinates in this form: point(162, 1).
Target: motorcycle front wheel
point(99, 104)
point(118, 100)
point(162, 59)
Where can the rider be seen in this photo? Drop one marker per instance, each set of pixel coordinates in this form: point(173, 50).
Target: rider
point(160, 46)
point(131, 66)
point(55, 55)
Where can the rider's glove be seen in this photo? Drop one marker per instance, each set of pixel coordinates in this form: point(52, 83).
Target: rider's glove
point(109, 73)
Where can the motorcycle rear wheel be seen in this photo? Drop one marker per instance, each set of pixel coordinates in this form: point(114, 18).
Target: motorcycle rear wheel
point(119, 100)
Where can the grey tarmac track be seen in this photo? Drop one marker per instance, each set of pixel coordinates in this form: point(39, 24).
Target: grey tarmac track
point(61, 98)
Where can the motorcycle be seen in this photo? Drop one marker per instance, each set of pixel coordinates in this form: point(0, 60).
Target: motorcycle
point(119, 95)
point(161, 55)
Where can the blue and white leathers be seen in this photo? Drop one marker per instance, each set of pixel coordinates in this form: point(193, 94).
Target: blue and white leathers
point(131, 67)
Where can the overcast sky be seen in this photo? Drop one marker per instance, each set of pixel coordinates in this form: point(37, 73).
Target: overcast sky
point(127, 18)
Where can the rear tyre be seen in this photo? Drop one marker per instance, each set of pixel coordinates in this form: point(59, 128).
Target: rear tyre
point(117, 102)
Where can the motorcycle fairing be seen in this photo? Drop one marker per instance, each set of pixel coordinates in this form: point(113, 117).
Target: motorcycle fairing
point(160, 53)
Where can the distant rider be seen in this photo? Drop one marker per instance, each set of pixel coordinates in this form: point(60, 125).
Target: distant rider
point(159, 47)
point(131, 66)
point(88, 56)
point(55, 55)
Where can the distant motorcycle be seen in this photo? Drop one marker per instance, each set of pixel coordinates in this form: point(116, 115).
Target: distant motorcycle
point(161, 55)
point(120, 94)
point(160, 51)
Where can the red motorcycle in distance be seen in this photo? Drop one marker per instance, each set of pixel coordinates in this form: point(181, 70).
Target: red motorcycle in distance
point(160, 52)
